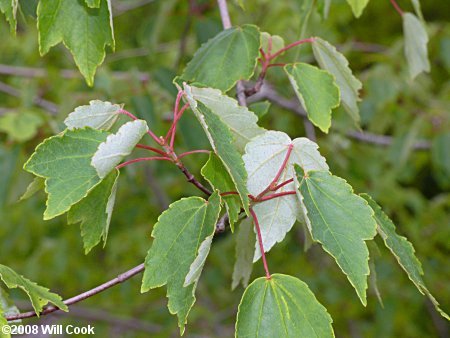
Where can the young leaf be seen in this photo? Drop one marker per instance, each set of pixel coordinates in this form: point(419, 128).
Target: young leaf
point(36, 185)
point(276, 42)
point(225, 59)
point(97, 115)
point(178, 237)
point(416, 40)
point(117, 146)
point(316, 90)
point(94, 212)
point(358, 6)
point(220, 138)
point(245, 243)
point(216, 174)
point(282, 306)
point(334, 62)
point(341, 221)
point(85, 31)
point(64, 161)
point(38, 295)
point(9, 9)
point(263, 158)
point(241, 121)
point(402, 249)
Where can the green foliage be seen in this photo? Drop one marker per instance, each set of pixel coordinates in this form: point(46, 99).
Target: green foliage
point(416, 40)
point(20, 127)
point(9, 9)
point(282, 306)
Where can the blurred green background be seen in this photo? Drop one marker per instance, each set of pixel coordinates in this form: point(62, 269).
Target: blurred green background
point(154, 41)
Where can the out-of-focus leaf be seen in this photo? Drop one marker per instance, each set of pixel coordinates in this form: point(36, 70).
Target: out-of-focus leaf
point(22, 126)
point(36, 185)
point(416, 41)
point(358, 6)
point(9, 9)
point(441, 159)
point(244, 252)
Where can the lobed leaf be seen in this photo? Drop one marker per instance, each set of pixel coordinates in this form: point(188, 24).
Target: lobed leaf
point(225, 59)
point(94, 212)
point(341, 221)
point(282, 306)
point(38, 295)
point(245, 243)
point(334, 62)
point(116, 146)
point(316, 90)
point(97, 115)
point(416, 40)
point(64, 161)
point(178, 237)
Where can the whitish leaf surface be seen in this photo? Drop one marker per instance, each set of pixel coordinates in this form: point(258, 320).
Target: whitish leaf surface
point(217, 175)
point(84, 31)
point(317, 92)
point(178, 236)
point(97, 115)
point(111, 152)
point(417, 9)
point(36, 185)
point(275, 42)
point(21, 126)
point(220, 138)
point(341, 221)
point(65, 162)
point(244, 252)
point(9, 9)
point(282, 306)
point(225, 59)
point(263, 158)
point(403, 251)
point(38, 295)
point(94, 212)
point(358, 6)
point(334, 62)
point(416, 40)
point(241, 121)
point(196, 267)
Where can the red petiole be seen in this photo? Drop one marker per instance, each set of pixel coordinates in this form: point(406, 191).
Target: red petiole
point(397, 7)
point(261, 246)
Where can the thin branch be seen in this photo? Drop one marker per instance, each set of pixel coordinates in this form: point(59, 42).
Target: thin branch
point(82, 296)
point(224, 15)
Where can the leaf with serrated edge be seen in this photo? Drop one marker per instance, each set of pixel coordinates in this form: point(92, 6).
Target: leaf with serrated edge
point(38, 295)
point(216, 174)
point(79, 28)
point(64, 161)
point(316, 90)
point(111, 152)
point(36, 185)
point(416, 40)
point(263, 158)
point(94, 212)
point(334, 62)
point(220, 138)
point(241, 121)
point(225, 59)
point(245, 243)
point(341, 221)
point(97, 115)
point(402, 250)
point(358, 6)
point(178, 235)
point(282, 306)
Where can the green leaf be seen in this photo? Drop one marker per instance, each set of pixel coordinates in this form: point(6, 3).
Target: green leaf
point(178, 236)
point(341, 221)
point(282, 306)
point(441, 160)
point(260, 108)
point(94, 212)
point(216, 174)
point(220, 138)
point(9, 8)
point(225, 59)
point(93, 3)
point(416, 40)
point(305, 10)
point(317, 92)
point(358, 6)
point(277, 42)
point(38, 295)
point(245, 244)
point(334, 62)
point(263, 158)
point(64, 161)
point(7, 308)
point(241, 121)
point(36, 185)
point(22, 126)
point(402, 249)
point(111, 152)
point(97, 115)
point(84, 31)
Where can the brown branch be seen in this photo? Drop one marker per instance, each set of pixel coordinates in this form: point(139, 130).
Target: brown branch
point(82, 296)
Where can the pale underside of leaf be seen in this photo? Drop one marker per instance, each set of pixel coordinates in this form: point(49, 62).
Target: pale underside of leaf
point(416, 40)
point(196, 267)
point(97, 115)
